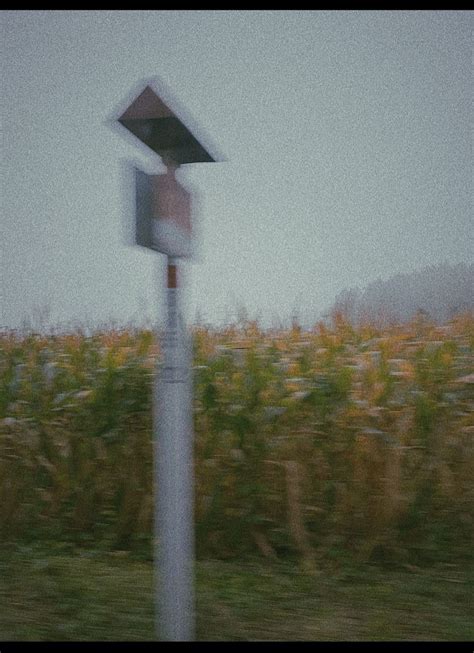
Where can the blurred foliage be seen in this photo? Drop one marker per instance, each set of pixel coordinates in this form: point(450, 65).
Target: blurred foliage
point(340, 437)
point(63, 593)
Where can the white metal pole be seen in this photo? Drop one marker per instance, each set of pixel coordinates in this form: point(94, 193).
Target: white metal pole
point(173, 475)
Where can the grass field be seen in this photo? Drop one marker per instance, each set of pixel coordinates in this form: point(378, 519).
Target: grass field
point(79, 596)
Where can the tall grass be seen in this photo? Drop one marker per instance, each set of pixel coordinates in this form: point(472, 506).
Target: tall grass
point(306, 442)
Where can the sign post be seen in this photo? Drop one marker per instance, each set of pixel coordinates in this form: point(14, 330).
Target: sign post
point(173, 451)
point(163, 223)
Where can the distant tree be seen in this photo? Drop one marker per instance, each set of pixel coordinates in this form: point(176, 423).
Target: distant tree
point(438, 291)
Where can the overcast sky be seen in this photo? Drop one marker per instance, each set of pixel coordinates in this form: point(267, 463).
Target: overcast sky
point(347, 137)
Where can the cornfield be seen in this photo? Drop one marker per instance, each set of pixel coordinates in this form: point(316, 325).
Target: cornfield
point(307, 442)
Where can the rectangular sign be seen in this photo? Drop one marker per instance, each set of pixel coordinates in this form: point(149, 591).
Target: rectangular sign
point(143, 209)
point(163, 214)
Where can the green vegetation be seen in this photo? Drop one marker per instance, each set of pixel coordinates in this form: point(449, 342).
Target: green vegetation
point(81, 595)
point(334, 482)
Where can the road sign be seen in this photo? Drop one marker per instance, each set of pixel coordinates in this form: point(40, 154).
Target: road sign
point(151, 120)
point(163, 214)
point(163, 223)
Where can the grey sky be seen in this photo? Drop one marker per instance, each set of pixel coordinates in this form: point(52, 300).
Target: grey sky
point(347, 134)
